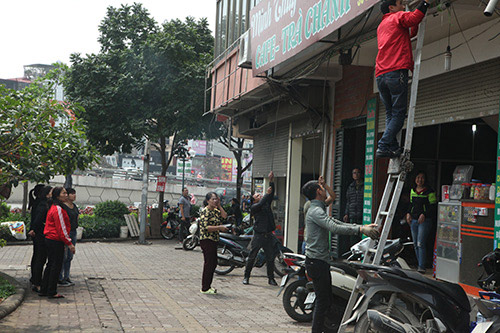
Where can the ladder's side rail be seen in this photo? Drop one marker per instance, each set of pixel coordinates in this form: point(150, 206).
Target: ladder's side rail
point(414, 86)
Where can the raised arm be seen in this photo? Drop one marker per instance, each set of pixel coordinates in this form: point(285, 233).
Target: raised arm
point(411, 19)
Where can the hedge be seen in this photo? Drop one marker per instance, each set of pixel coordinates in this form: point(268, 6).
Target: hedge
point(100, 227)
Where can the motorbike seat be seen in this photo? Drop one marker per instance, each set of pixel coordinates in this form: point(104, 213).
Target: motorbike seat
point(242, 238)
point(454, 291)
point(345, 267)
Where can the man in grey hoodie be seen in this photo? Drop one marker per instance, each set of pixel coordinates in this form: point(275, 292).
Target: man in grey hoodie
point(318, 225)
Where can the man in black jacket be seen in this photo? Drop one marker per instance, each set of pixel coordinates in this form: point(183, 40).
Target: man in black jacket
point(262, 232)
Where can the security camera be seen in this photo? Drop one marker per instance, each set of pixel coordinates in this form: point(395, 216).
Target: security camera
point(490, 8)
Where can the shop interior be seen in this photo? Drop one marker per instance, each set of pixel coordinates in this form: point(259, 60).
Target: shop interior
point(438, 150)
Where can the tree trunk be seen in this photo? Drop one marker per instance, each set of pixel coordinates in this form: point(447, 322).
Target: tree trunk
point(68, 182)
point(25, 199)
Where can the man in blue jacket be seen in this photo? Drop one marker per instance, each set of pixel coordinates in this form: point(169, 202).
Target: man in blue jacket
point(262, 232)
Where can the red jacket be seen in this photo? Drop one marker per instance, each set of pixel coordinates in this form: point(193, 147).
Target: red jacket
point(394, 44)
point(57, 226)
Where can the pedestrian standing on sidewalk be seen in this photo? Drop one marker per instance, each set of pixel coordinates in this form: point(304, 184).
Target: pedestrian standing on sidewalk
point(38, 217)
point(210, 225)
point(73, 212)
point(184, 213)
point(318, 226)
point(394, 60)
point(57, 228)
point(263, 228)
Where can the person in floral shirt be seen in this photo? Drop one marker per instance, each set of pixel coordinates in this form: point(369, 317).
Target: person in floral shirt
point(210, 225)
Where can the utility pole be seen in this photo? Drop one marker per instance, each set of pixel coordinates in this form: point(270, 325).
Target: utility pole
point(144, 197)
point(183, 171)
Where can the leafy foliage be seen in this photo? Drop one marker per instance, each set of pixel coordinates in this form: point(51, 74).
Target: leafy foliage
point(39, 136)
point(5, 235)
point(111, 209)
point(100, 227)
point(4, 210)
point(6, 289)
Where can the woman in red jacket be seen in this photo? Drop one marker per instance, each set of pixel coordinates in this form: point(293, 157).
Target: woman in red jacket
point(57, 228)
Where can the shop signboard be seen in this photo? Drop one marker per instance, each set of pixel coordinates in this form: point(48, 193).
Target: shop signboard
point(282, 28)
point(199, 147)
point(180, 168)
point(369, 160)
point(161, 182)
point(497, 196)
point(227, 165)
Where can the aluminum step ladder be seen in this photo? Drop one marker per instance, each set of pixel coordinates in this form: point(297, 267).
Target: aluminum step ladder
point(398, 170)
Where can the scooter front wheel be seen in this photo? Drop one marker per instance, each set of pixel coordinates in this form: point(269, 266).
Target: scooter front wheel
point(400, 314)
point(293, 301)
point(224, 268)
point(190, 243)
point(166, 233)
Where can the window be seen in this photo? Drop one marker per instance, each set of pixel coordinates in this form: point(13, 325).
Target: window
point(232, 17)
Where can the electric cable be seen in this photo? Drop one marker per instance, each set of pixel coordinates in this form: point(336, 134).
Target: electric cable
point(463, 35)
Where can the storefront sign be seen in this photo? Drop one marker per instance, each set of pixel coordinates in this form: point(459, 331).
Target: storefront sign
point(282, 28)
point(369, 159)
point(227, 164)
point(497, 195)
point(161, 182)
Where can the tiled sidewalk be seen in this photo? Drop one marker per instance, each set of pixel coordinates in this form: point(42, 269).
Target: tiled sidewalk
point(133, 288)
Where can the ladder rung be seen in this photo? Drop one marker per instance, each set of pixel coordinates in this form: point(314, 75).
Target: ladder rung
point(384, 213)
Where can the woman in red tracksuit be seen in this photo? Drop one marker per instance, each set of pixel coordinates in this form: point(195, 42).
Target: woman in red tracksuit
point(57, 228)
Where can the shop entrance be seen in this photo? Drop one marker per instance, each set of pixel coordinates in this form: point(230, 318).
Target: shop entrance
point(437, 150)
point(353, 157)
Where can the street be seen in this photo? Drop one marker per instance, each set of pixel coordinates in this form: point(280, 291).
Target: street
point(126, 287)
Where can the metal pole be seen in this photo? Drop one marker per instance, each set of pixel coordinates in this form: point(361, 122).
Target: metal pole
point(144, 197)
point(183, 172)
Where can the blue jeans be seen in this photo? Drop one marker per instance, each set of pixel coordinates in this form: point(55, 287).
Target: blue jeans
point(420, 234)
point(68, 256)
point(393, 88)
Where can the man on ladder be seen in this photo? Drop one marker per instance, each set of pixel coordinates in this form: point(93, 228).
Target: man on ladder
point(394, 59)
point(393, 62)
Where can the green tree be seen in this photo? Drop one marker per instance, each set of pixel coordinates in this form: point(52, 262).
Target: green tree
point(39, 136)
point(146, 81)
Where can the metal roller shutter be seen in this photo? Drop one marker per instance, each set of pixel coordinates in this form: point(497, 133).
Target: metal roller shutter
point(466, 93)
point(337, 184)
point(267, 147)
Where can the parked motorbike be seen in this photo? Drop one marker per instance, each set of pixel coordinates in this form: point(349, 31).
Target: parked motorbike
point(417, 304)
point(410, 298)
point(193, 239)
point(170, 228)
point(299, 296)
point(233, 251)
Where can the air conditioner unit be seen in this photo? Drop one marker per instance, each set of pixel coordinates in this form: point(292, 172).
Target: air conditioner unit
point(245, 52)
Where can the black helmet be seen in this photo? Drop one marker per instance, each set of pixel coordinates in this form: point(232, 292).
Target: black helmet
point(491, 265)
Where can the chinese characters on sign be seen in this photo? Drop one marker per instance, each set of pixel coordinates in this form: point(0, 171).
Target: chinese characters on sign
point(282, 28)
point(369, 155)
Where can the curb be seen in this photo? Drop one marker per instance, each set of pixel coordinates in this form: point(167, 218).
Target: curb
point(88, 240)
point(13, 301)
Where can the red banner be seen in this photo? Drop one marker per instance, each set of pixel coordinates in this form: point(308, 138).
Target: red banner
point(161, 183)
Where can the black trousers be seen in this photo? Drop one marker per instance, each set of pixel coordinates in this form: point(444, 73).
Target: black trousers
point(319, 272)
point(55, 254)
point(261, 241)
point(209, 248)
point(38, 260)
point(184, 229)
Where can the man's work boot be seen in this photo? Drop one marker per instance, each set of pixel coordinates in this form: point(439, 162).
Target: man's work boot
point(246, 280)
point(272, 282)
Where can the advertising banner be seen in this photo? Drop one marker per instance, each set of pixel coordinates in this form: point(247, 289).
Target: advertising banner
point(282, 28)
point(199, 147)
point(161, 182)
point(227, 165)
point(369, 159)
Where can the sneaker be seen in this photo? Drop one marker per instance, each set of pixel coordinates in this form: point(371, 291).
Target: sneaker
point(272, 282)
point(64, 283)
point(389, 153)
point(421, 270)
point(211, 291)
point(246, 280)
point(69, 282)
